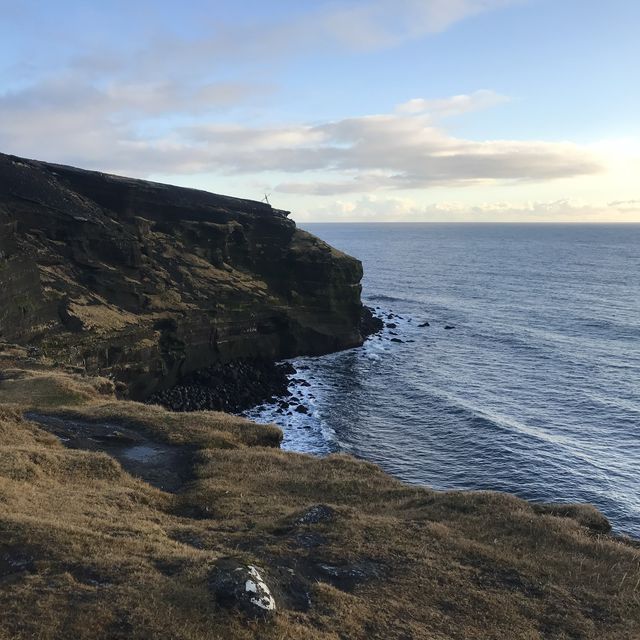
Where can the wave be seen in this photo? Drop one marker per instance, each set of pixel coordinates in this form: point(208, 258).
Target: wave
point(386, 298)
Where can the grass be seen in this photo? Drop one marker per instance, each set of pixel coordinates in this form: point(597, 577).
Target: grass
point(88, 551)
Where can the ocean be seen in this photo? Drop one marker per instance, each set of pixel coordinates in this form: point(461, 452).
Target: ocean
point(536, 389)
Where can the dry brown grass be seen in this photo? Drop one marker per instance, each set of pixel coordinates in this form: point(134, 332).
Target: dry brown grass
point(203, 429)
point(34, 389)
point(87, 551)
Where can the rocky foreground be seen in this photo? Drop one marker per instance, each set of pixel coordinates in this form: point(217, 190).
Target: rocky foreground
point(121, 519)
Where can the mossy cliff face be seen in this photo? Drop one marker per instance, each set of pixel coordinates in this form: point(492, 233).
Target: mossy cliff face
point(149, 282)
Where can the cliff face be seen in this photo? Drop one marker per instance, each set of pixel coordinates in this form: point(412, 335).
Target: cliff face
point(149, 282)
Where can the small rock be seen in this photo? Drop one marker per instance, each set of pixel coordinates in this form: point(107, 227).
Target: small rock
point(242, 587)
point(391, 325)
point(396, 340)
point(301, 409)
point(449, 326)
point(310, 540)
point(424, 324)
point(347, 576)
point(316, 514)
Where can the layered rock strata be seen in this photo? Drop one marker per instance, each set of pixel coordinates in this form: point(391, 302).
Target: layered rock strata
point(148, 282)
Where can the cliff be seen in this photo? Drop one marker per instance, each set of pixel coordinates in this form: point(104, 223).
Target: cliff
point(149, 282)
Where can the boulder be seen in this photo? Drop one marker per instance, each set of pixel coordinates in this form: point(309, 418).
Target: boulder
point(370, 324)
point(242, 587)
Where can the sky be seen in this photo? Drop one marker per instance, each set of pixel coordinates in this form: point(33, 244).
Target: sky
point(340, 110)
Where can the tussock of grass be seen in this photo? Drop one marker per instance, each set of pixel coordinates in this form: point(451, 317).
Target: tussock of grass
point(88, 551)
point(203, 429)
point(38, 389)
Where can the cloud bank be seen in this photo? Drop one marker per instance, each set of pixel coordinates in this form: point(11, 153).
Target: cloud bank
point(407, 149)
point(395, 209)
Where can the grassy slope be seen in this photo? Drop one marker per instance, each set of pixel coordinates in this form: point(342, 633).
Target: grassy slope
point(87, 551)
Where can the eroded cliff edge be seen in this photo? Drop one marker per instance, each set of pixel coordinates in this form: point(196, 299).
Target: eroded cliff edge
point(148, 282)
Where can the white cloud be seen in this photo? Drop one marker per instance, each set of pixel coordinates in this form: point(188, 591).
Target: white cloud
point(385, 23)
point(453, 106)
point(382, 209)
point(101, 128)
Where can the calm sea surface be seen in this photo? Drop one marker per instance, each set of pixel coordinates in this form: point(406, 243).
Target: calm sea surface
point(537, 389)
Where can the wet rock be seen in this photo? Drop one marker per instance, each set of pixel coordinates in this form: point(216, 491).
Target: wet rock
point(424, 324)
point(301, 409)
point(369, 322)
point(448, 327)
point(391, 325)
point(242, 587)
point(396, 340)
point(232, 387)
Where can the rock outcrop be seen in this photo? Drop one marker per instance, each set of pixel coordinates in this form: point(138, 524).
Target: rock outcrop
point(148, 282)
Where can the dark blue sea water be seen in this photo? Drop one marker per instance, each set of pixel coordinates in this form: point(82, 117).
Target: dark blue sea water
point(537, 389)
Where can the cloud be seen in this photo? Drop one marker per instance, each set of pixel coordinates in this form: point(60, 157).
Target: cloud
point(383, 209)
point(103, 128)
point(453, 106)
point(625, 205)
point(150, 102)
point(385, 23)
point(402, 150)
